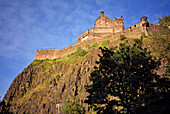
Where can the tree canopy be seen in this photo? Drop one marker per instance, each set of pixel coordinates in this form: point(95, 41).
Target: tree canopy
point(125, 80)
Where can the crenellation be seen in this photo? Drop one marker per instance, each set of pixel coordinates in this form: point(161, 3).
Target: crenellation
point(104, 29)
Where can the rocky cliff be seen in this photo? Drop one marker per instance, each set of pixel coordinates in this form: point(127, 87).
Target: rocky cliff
point(46, 83)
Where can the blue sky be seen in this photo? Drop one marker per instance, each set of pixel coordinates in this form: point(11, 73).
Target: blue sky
point(28, 25)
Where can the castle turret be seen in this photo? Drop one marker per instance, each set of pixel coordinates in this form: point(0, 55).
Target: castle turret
point(102, 13)
point(144, 20)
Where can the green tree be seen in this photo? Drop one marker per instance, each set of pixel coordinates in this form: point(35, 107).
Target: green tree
point(125, 78)
point(72, 108)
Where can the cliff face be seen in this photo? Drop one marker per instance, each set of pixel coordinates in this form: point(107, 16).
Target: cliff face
point(46, 83)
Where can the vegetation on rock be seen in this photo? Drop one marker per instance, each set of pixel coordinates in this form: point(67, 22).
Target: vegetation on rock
point(105, 43)
point(45, 83)
point(72, 108)
point(126, 78)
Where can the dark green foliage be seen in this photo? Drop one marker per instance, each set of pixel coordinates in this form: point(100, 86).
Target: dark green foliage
point(128, 74)
point(87, 46)
point(72, 108)
point(37, 60)
point(79, 52)
point(122, 37)
point(95, 44)
point(105, 43)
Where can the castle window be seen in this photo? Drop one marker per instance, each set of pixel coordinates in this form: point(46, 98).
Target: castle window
point(134, 25)
point(100, 23)
point(107, 23)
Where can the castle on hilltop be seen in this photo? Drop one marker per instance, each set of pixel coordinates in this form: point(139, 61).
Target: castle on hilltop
point(104, 29)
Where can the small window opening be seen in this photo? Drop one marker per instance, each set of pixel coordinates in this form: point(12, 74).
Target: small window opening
point(100, 23)
point(107, 23)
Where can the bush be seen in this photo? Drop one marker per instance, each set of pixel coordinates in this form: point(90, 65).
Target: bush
point(87, 46)
point(72, 108)
point(122, 37)
point(81, 52)
point(95, 44)
point(105, 43)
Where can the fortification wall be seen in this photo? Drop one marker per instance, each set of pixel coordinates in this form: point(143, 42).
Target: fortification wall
point(135, 32)
point(54, 53)
point(103, 30)
point(46, 54)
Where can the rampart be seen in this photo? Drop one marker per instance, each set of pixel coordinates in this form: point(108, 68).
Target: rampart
point(54, 53)
point(104, 29)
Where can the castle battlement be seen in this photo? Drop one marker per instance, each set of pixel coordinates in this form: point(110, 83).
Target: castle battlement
point(104, 29)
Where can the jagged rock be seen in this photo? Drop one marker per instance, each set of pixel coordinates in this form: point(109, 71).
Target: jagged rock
point(45, 83)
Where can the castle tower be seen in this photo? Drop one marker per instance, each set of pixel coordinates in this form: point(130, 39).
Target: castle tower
point(144, 23)
point(103, 21)
point(118, 24)
point(144, 20)
point(102, 13)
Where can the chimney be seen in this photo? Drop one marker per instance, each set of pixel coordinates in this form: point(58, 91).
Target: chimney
point(102, 13)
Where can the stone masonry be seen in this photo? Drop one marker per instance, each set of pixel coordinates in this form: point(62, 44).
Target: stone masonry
point(104, 29)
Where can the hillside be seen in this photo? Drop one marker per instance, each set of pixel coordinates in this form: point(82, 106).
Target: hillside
point(46, 83)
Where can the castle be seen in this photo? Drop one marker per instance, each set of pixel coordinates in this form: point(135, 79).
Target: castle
point(104, 29)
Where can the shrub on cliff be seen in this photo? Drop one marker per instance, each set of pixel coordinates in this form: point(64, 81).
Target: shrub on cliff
point(72, 108)
point(105, 43)
point(81, 52)
point(95, 44)
point(125, 77)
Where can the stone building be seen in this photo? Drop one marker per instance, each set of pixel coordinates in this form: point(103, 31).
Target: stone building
point(104, 27)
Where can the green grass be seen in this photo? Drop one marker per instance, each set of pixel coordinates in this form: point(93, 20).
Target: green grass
point(95, 44)
point(105, 43)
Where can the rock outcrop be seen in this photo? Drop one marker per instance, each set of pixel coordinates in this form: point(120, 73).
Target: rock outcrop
point(46, 83)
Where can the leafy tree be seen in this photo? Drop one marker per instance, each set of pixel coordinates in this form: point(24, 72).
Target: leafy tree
point(72, 108)
point(125, 78)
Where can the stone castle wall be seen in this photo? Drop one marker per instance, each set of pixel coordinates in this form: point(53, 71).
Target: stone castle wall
point(54, 53)
point(104, 29)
